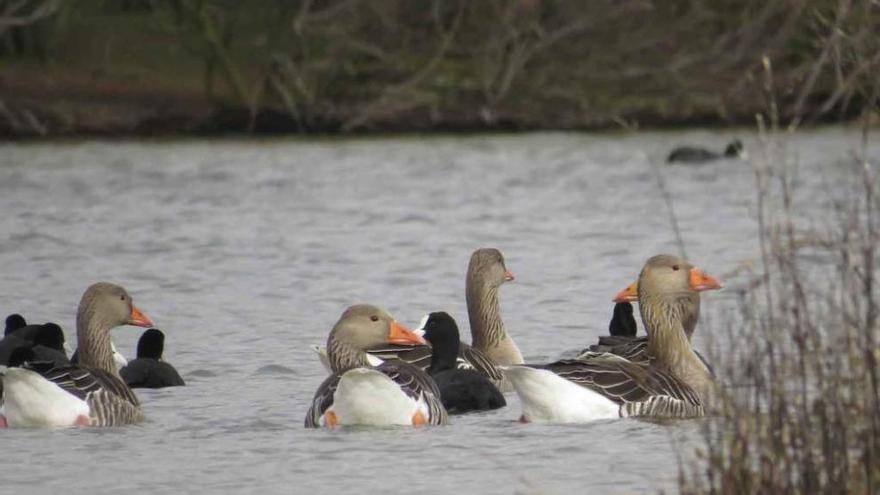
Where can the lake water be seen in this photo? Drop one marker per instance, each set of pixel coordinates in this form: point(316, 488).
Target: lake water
point(246, 252)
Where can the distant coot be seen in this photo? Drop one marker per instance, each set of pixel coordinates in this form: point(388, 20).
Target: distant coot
point(691, 154)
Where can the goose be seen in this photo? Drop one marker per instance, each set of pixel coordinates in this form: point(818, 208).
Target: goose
point(148, 370)
point(486, 274)
point(393, 393)
point(675, 384)
point(491, 345)
point(90, 393)
point(461, 390)
point(691, 154)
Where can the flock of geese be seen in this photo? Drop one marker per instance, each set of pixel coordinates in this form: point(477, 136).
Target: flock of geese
point(382, 373)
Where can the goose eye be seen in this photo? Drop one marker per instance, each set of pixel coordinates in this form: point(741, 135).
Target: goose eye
point(675, 267)
point(122, 298)
point(374, 318)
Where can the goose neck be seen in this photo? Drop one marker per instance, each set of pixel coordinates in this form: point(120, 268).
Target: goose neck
point(344, 357)
point(93, 339)
point(668, 342)
point(484, 313)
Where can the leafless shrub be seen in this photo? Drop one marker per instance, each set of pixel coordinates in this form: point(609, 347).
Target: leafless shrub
point(800, 408)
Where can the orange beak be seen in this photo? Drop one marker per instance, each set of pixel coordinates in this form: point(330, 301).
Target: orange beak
point(699, 281)
point(630, 294)
point(139, 319)
point(508, 275)
point(399, 334)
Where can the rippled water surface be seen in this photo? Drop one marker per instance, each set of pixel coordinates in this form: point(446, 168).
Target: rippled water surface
point(246, 252)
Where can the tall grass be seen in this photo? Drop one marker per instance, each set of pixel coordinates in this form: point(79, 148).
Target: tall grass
point(799, 409)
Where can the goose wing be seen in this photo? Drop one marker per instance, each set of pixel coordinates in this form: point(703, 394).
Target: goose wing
point(111, 402)
point(420, 357)
point(640, 390)
point(416, 355)
point(634, 349)
point(472, 358)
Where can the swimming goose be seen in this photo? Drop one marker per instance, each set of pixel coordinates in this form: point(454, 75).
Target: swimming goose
point(675, 384)
point(393, 393)
point(461, 390)
point(148, 370)
point(90, 393)
point(691, 154)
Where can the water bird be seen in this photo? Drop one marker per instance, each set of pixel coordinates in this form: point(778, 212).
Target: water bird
point(91, 393)
point(13, 323)
point(692, 154)
point(461, 390)
point(357, 393)
point(593, 386)
point(148, 370)
point(48, 345)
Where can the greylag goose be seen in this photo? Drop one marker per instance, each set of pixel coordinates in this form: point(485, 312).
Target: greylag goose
point(393, 393)
point(486, 273)
point(148, 370)
point(675, 384)
point(90, 393)
point(691, 154)
point(461, 390)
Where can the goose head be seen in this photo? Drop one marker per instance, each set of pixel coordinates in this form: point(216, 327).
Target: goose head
point(672, 277)
point(668, 291)
point(103, 307)
point(111, 305)
point(363, 327)
point(487, 268)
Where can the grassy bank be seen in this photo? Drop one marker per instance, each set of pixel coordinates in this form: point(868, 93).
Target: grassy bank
point(215, 66)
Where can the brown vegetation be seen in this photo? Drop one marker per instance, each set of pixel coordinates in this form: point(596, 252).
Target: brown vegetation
point(352, 65)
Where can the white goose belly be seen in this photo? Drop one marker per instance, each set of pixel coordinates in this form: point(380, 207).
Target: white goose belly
point(369, 397)
point(548, 398)
point(32, 401)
